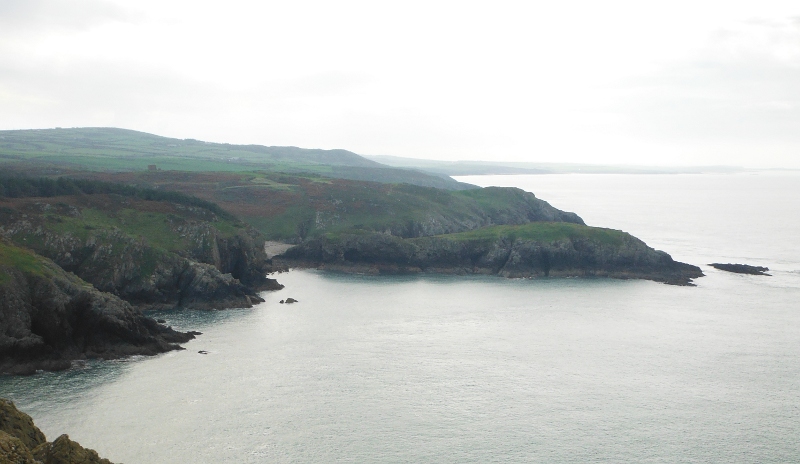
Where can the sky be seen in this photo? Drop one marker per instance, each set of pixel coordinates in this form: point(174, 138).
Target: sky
point(612, 82)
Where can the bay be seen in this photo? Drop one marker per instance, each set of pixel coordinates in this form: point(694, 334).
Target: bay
point(481, 369)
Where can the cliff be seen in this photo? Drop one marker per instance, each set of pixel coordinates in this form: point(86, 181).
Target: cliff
point(153, 254)
point(531, 250)
point(21, 442)
point(49, 318)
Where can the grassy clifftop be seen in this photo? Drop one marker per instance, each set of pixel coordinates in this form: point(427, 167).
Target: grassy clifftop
point(295, 207)
point(544, 232)
point(13, 257)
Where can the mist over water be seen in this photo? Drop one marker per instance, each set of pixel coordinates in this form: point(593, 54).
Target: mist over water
point(484, 369)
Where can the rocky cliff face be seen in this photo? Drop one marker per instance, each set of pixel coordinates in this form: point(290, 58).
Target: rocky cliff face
point(580, 251)
point(205, 269)
point(48, 318)
point(21, 442)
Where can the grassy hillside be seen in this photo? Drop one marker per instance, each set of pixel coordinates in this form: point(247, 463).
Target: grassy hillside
point(110, 149)
point(81, 217)
point(12, 256)
point(294, 207)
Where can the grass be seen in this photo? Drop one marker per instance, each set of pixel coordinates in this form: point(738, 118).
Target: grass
point(21, 259)
point(153, 227)
point(545, 232)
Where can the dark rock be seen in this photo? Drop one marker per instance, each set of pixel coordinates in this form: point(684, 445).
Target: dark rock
point(65, 451)
point(741, 268)
point(161, 321)
point(282, 302)
point(194, 332)
point(49, 318)
point(203, 352)
point(22, 442)
point(213, 272)
point(19, 425)
point(291, 300)
point(12, 450)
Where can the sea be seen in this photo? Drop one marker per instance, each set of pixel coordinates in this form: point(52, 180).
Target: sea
point(479, 369)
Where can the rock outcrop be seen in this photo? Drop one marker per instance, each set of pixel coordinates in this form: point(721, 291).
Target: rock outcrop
point(21, 442)
point(209, 270)
point(533, 250)
point(741, 268)
point(49, 318)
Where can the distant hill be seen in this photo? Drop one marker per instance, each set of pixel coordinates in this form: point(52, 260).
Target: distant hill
point(472, 168)
point(120, 150)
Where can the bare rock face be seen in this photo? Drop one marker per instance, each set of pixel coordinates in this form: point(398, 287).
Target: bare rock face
point(65, 451)
point(19, 425)
point(21, 442)
point(13, 451)
point(49, 318)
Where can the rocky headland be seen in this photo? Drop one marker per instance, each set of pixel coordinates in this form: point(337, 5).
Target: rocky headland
point(50, 318)
point(21, 442)
point(540, 249)
point(152, 254)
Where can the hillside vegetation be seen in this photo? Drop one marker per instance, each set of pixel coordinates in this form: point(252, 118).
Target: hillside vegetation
point(110, 149)
point(292, 208)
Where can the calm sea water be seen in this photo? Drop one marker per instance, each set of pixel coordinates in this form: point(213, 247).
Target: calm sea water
point(481, 369)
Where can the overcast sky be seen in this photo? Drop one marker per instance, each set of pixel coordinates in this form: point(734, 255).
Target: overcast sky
point(690, 83)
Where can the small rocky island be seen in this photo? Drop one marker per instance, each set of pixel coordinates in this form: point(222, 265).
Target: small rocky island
point(21, 442)
point(741, 268)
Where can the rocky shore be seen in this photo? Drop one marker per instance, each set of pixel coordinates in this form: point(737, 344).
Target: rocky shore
point(21, 442)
